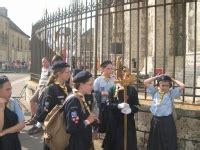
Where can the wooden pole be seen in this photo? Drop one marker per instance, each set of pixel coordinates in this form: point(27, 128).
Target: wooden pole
point(125, 120)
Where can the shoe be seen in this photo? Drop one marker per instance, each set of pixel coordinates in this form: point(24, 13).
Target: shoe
point(30, 122)
point(35, 130)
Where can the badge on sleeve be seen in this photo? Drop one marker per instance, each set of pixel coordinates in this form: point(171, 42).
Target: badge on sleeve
point(75, 117)
point(74, 114)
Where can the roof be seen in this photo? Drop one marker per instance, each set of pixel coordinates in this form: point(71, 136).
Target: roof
point(14, 26)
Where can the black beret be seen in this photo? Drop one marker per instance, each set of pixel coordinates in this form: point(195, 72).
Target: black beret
point(164, 78)
point(75, 71)
point(3, 79)
point(59, 65)
point(82, 76)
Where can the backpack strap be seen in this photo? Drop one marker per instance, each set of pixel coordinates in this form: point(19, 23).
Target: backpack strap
point(80, 100)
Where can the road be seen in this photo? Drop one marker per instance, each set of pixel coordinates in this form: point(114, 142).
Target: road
point(35, 142)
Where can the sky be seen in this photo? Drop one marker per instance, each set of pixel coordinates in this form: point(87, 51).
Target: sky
point(24, 13)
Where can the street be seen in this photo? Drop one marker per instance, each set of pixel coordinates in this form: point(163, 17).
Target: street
point(28, 142)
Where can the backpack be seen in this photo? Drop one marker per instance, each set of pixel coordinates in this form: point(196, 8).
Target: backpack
point(55, 134)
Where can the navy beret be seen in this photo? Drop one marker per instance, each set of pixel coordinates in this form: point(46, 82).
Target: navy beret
point(59, 65)
point(82, 76)
point(75, 71)
point(164, 78)
point(3, 79)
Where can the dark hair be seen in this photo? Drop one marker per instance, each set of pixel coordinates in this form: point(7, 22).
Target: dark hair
point(56, 58)
point(164, 78)
point(3, 79)
point(105, 63)
point(77, 85)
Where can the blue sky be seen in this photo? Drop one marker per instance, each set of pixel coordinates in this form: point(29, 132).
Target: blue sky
point(24, 13)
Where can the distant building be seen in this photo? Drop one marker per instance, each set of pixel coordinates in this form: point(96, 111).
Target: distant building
point(14, 43)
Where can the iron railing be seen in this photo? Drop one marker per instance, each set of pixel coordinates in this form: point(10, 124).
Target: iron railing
point(151, 36)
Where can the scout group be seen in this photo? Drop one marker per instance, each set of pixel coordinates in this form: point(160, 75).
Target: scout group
point(91, 107)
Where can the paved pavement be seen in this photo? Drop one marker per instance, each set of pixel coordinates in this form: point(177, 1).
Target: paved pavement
point(34, 142)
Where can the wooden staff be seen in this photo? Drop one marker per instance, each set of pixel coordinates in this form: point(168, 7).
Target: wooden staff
point(126, 80)
point(125, 120)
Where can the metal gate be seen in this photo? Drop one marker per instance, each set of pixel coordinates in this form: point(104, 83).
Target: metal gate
point(151, 36)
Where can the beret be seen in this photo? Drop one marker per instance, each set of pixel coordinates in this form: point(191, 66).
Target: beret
point(82, 76)
point(59, 65)
point(3, 79)
point(75, 71)
point(164, 78)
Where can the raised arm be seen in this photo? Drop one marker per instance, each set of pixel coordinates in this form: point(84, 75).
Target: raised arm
point(148, 81)
point(179, 83)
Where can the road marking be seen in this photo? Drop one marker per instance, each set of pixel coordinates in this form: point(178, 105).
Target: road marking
point(20, 80)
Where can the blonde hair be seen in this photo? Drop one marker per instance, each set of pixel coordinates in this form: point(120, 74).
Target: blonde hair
point(54, 75)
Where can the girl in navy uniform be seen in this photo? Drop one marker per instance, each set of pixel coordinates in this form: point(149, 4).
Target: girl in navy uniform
point(54, 94)
point(114, 139)
point(78, 116)
point(162, 134)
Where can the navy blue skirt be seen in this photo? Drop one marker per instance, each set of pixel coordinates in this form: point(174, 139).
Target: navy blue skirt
point(162, 134)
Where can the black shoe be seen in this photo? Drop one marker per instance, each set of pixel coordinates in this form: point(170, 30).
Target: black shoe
point(31, 122)
point(35, 130)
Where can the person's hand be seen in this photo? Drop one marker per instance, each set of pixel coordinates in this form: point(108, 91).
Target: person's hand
point(123, 105)
point(104, 93)
point(2, 133)
point(91, 118)
point(94, 135)
point(126, 111)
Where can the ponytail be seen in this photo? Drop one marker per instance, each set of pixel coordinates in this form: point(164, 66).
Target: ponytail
point(52, 79)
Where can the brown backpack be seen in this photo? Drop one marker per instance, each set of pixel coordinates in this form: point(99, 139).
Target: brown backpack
point(55, 135)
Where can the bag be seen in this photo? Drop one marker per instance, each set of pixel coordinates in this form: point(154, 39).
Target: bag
point(40, 113)
point(55, 134)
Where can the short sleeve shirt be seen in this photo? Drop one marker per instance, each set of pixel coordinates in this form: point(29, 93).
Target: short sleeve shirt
point(14, 106)
point(101, 84)
point(162, 107)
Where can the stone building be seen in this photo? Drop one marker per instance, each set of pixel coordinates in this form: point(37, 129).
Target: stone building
point(14, 43)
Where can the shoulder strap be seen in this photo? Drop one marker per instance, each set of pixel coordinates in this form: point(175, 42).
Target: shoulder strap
point(70, 96)
point(81, 102)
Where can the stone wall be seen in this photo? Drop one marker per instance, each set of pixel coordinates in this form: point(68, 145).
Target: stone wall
point(187, 123)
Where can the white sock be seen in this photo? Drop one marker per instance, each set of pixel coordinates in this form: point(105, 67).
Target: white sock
point(39, 125)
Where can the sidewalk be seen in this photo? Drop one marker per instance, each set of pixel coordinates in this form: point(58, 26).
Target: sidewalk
point(34, 142)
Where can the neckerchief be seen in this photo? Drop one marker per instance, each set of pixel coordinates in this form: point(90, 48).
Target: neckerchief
point(83, 100)
point(161, 96)
point(63, 87)
point(106, 78)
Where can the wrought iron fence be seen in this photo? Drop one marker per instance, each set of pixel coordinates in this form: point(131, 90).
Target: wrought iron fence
point(151, 36)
